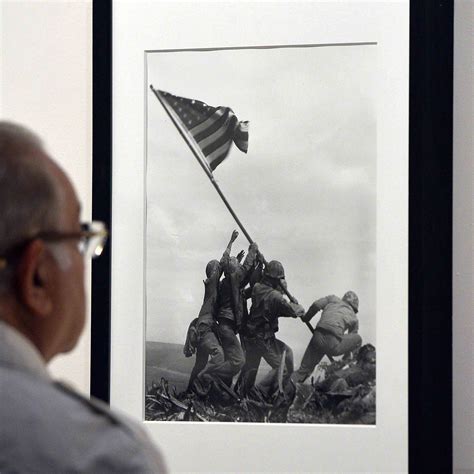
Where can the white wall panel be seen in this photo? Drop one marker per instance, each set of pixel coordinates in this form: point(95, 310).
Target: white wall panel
point(46, 84)
point(463, 264)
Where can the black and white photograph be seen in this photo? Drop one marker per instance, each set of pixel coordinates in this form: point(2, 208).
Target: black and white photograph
point(261, 234)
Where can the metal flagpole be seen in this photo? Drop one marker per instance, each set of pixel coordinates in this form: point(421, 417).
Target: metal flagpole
point(200, 158)
point(204, 165)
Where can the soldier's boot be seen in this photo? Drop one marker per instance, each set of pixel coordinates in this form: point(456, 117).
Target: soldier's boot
point(202, 385)
point(222, 391)
point(256, 394)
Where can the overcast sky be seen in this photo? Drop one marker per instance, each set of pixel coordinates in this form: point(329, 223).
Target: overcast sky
point(305, 192)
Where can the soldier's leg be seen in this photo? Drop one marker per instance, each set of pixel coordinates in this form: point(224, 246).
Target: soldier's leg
point(289, 359)
point(314, 353)
point(348, 343)
point(233, 353)
point(215, 352)
point(248, 374)
point(201, 361)
point(273, 354)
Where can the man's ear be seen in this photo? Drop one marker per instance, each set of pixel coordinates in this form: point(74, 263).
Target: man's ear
point(34, 279)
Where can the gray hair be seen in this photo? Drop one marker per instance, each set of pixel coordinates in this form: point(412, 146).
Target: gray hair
point(28, 193)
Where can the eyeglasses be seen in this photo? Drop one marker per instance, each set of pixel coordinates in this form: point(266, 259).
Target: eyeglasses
point(91, 240)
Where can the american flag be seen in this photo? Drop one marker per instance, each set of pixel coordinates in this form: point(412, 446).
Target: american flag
point(212, 129)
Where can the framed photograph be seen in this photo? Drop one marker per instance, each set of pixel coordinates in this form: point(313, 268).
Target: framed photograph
point(270, 174)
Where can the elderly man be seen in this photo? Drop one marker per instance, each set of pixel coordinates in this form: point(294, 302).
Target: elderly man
point(330, 337)
point(45, 426)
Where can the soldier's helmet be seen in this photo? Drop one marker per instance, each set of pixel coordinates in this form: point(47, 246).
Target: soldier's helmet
point(211, 267)
point(351, 298)
point(274, 269)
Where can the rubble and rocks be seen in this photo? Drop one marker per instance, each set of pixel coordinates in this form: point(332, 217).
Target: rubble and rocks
point(342, 392)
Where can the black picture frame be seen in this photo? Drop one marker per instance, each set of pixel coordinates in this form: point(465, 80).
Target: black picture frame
point(101, 195)
point(430, 236)
point(430, 225)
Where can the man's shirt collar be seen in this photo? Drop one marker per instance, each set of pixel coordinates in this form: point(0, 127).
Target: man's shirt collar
point(18, 353)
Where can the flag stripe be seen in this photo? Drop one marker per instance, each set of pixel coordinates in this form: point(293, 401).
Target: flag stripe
point(213, 125)
point(210, 139)
point(213, 118)
point(209, 130)
point(225, 129)
point(217, 161)
point(220, 153)
point(226, 136)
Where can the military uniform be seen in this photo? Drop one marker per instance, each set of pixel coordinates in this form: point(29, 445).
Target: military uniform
point(209, 353)
point(329, 337)
point(259, 340)
point(230, 311)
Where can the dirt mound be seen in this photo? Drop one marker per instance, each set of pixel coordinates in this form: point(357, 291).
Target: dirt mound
point(343, 392)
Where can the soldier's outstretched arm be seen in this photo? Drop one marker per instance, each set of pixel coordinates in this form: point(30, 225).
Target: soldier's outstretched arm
point(298, 310)
point(287, 309)
point(233, 238)
point(226, 254)
point(318, 305)
point(256, 274)
point(240, 255)
point(249, 259)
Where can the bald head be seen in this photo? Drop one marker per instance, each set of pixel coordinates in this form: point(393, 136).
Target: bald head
point(29, 191)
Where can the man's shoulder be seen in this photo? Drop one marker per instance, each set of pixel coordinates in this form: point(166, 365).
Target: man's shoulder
point(331, 300)
point(260, 287)
point(275, 300)
point(33, 396)
point(67, 430)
